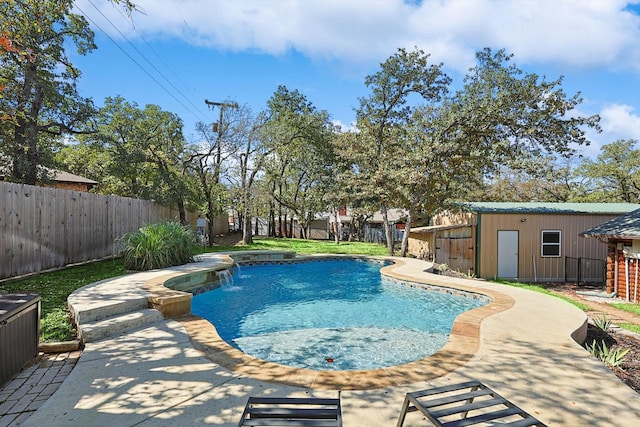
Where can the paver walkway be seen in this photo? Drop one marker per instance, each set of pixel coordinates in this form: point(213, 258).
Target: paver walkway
point(30, 388)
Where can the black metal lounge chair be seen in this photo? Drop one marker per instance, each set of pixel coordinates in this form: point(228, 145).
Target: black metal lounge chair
point(283, 411)
point(466, 404)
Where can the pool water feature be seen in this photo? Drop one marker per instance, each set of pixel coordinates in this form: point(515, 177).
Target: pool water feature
point(330, 315)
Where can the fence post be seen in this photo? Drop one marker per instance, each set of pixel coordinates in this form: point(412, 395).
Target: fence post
point(579, 270)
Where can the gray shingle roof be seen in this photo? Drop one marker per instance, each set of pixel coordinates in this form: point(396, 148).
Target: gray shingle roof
point(63, 176)
point(623, 227)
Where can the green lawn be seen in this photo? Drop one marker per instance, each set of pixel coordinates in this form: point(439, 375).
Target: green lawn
point(54, 287)
point(543, 290)
point(631, 308)
point(302, 246)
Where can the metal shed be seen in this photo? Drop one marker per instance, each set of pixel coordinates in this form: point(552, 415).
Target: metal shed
point(533, 242)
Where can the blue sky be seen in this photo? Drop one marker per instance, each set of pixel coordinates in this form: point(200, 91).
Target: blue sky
point(177, 53)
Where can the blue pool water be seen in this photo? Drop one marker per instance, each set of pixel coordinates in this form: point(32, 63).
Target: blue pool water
point(329, 315)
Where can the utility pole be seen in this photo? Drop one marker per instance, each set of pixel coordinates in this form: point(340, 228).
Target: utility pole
point(216, 127)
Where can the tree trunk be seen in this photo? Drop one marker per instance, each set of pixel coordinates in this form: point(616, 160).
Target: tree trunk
point(387, 229)
point(182, 212)
point(210, 224)
point(336, 226)
point(247, 237)
point(285, 226)
point(352, 229)
point(257, 231)
point(290, 231)
point(25, 162)
point(272, 220)
point(405, 238)
point(307, 227)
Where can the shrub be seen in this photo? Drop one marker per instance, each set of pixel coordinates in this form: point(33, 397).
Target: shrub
point(612, 357)
point(157, 246)
point(602, 323)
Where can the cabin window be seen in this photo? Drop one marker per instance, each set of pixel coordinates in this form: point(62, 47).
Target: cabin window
point(551, 240)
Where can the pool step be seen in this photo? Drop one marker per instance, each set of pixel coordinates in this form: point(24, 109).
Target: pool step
point(95, 311)
point(100, 329)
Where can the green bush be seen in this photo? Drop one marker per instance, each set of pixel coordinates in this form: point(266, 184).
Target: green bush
point(157, 246)
point(602, 323)
point(609, 356)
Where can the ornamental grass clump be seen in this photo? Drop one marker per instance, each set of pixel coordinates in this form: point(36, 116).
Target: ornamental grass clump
point(602, 323)
point(157, 246)
point(610, 356)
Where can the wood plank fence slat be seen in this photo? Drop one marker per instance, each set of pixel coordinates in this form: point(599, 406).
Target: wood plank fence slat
point(4, 234)
point(43, 228)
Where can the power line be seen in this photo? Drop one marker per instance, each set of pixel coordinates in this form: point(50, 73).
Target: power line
point(175, 75)
point(134, 60)
point(148, 61)
point(180, 13)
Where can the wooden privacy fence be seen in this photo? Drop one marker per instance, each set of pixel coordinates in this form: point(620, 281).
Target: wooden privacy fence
point(44, 228)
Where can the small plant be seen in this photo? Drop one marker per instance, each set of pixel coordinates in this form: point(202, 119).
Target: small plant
point(612, 357)
point(157, 246)
point(55, 326)
point(602, 323)
point(468, 274)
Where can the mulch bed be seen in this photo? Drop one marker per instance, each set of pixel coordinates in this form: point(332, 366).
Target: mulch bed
point(629, 371)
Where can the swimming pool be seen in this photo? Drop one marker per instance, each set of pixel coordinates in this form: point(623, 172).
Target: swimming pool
point(330, 315)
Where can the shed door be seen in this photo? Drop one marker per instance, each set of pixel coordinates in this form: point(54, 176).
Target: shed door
point(508, 254)
point(457, 253)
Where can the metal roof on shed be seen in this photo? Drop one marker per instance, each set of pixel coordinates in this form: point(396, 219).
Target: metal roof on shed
point(434, 228)
point(550, 208)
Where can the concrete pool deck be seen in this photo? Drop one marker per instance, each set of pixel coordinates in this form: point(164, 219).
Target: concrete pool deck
point(159, 374)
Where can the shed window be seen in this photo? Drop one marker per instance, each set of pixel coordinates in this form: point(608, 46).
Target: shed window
point(551, 240)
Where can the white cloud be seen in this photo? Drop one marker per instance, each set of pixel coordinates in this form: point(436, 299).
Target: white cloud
point(617, 121)
point(593, 41)
point(620, 120)
point(567, 32)
point(351, 127)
